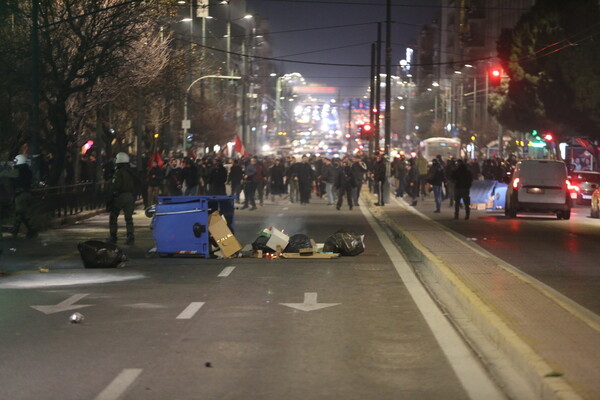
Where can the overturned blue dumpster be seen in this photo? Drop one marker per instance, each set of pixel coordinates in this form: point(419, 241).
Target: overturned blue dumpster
point(180, 223)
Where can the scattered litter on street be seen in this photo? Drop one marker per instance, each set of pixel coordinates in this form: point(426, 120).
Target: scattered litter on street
point(76, 318)
point(96, 254)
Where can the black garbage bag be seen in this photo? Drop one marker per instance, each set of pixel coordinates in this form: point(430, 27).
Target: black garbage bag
point(297, 242)
point(261, 244)
point(97, 254)
point(347, 243)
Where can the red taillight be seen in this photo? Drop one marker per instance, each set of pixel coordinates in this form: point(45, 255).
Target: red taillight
point(516, 183)
point(572, 188)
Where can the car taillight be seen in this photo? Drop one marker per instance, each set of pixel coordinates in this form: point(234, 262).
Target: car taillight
point(516, 183)
point(572, 188)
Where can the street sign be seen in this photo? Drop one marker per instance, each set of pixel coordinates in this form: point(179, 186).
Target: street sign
point(186, 124)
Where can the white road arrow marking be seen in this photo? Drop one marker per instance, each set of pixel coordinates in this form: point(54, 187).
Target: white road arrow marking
point(310, 303)
point(120, 384)
point(226, 272)
point(66, 305)
point(190, 310)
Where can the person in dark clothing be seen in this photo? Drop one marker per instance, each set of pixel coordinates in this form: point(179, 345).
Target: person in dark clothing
point(21, 179)
point(173, 178)
point(412, 182)
point(235, 179)
point(291, 175)
point(123, 188)
point(344, 183)
point(202, 171)
point(189, 177)
point(435, 177)
point(305, 177)
point(217, 179)
point(249, 186)
point(379, 177)
point(399, 170)
point(327, 178)
point(463, 178)
point(154, 180)
point(448, 170)
point(260, 178)
point(276, 176)
point(359, 169)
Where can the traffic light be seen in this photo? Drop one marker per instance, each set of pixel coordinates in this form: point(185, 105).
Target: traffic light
point(367, 129)
point(495, 76)
point(548, 137)
point(364, 131)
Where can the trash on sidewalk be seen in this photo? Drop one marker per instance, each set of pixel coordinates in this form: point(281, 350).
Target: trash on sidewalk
point(346, 243)
point(97, 254)
point(218, 229)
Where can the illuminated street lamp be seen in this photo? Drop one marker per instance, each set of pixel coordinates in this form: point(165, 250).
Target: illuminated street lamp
point(186, 123)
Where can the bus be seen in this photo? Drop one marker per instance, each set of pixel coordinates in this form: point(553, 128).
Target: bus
point(446, 147)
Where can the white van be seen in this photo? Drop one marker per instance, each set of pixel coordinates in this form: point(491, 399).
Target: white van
point(539, 186)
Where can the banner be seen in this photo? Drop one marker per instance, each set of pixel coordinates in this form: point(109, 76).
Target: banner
point(239, 146)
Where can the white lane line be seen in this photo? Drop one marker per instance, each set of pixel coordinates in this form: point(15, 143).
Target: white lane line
point(119, 385)
point(190, 310)
point(469, 371)
point(226, 272)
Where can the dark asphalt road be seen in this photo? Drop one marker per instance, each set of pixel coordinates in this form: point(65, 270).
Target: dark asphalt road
point(239, 342)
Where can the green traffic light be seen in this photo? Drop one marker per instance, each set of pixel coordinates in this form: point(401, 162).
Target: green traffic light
point(534, 132)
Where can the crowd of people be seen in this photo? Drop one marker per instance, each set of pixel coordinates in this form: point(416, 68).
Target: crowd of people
point(296, 179)
point(336, 179)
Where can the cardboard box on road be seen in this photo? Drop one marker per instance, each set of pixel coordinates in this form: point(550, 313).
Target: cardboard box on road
point(217, 226)
point(278, 238)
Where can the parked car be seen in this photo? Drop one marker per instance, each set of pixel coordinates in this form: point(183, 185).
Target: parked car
point(584, 183)
point(539, 186)
point(595, 209)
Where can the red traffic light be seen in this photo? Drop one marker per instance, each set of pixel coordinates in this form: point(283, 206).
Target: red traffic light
point(367, 128)
point(548, 137)
point(495, 74)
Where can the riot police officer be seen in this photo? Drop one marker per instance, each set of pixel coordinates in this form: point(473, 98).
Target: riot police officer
point(21, 178)
point(123, 188)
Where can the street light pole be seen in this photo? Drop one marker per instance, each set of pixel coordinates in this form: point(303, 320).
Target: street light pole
point(186, 123)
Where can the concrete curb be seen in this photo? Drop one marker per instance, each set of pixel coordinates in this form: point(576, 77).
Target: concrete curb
point(458, 298)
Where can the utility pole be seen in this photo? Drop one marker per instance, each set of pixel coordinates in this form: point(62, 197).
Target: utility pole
point(34, 150)
point(349, 124)
point(378, 88)
point(388, 99)
point(372, 98)
point(388, 78)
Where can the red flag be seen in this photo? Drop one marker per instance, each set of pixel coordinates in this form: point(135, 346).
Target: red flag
point(156, 157)
point(239, 146)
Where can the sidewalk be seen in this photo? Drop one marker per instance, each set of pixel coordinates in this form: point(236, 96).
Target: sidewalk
point(553, 344)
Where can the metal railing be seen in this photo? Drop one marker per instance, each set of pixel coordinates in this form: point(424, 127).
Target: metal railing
point(62, 201)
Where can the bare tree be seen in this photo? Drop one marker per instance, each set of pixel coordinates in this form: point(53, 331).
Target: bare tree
point(92, 50)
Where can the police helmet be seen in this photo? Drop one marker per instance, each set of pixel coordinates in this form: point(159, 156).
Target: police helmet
point(121, 158)
point(20, 159)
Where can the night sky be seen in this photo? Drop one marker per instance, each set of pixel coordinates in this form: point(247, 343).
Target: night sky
point(353, 27)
